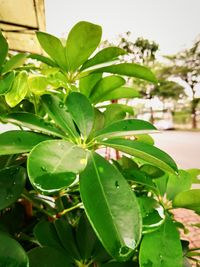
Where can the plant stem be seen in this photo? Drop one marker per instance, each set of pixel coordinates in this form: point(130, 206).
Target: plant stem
point(70, 209)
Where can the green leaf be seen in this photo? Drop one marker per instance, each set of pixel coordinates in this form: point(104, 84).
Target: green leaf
point(195, 175)
point(11, 253)
point(57, 110)
point(105, 55)
point(151, 171)
point(16, 142)
point(12, 181)
point(104, 86)
point(82, 112)
point(53, 165)
point(38, 85)
point(82, 40)
point(53, 47)
point(33, 122)
point(99, 121)
point(43, 59)
point(178, 183)
point(18, 90)
point(87, 83)
point(6, 82)
point(161, 184)
point(125, 128)
point(119, 93)
point(118, 231)
point(43, 257)
point(162, 248)
point(145, 138)
point(118, 264)
point(131, 70)
point(15, 62)
point(149, 153)
point(3, 49)
point(188, 199)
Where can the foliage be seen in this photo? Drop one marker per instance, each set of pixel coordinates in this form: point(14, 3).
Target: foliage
point(60, 198)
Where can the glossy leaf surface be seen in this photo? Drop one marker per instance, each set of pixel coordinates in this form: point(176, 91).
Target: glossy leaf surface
point(143, 151)
point(82, 40)
point(162, 248)
point(87, 83)
point(125, 128)
point(11, 253)
point(15, 62)
point(131, 70)
point(43, 59)
point(188, 199)
point(6, 82)
point(82, 112)
point(12, 181)
point(16, 142)
point(118, 220)
point(4, 49)
point(53, 165)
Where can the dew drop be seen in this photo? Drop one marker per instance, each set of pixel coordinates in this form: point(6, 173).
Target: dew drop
point(100, 169)
point(61, 105)
point(117, 184)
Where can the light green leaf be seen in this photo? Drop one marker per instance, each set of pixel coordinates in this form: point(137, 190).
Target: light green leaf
point(82, 112)
point(162, 248)
point(11, 252)
point(6, 82)
point(82, 41)
point(131, 70)
point(125, 128)
point(188, 199)
point(37, 84)
point(15, 142)
point(18, 90)
point(143, 151)
point(57, 110)
point(33, 122)
point(118, 220)
point(3, 49)
point(15, 62)
point(145, 138)
point(43, 59)
point(53, 165)
point(12, 181)
point(104, 86)
point(105, 55)
point(195, 175)
point(87, 83)
point(53, 47)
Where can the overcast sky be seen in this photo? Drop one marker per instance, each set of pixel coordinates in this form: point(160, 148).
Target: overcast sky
point(173, 24)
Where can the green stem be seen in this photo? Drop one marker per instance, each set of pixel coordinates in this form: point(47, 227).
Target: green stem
point(70, 209)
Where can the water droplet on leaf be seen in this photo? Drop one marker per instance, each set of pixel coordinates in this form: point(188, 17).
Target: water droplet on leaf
point(116, 184)
point(123, 250)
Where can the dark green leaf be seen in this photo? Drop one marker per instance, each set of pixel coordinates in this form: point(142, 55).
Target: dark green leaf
point(118, 231)
point(82, 112)
point(131, 70)
point(151, 171)
point(162, 248)
point(99, 121)
point(11, 253)
point(15, 142)
point(12, 182)
point(3, 49)
point(53, 165)
point(82, 40)
point(15, 62)
point(188, 199)
point(87, 83)
point(53, 47)
point(125, 128)
point(57, 110)
point(161, 183)
point(47, 257)
point(6, 82)
point(119, 264)
point(105, 55)
point(143, 151)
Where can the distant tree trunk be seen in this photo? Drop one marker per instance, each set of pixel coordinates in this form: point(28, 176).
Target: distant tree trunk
point(194, 114)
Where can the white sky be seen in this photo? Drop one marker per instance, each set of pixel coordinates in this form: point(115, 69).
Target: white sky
point(173, 24)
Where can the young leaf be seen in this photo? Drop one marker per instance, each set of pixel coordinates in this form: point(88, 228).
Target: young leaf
point(53, 165)
point(162, 248)
point(87, 83)
point(18, 90)
point(125, 128)
point(15, 62)
point(57, 110)
point(118, 231)
point(105, 55)
point(131, 70)
point(53, 47)
point(4, 49)
point(11, 252)
point(16, 142)
point(33, 122)
point(6, 82)
point(188, 199)
point(143, 151)
point(12, 182)
point(38, 84)
point(82, 112)
point(82, 40)
point(104, 86)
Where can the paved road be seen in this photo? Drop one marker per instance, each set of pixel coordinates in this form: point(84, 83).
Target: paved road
point(184, 147)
